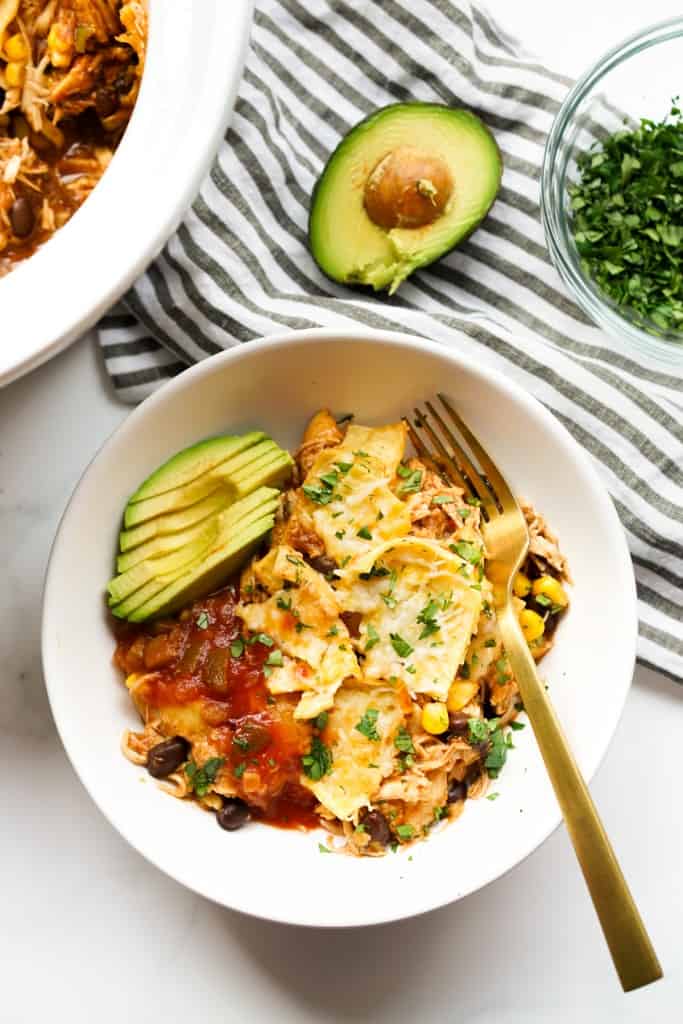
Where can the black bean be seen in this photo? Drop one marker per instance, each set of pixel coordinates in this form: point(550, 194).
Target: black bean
point(167, 756)
point(22, 217)
point(106, 102)
point(456, 791)
point(323, 564)
point(472, 774)
point(457, 723)
point(233, 814)
point(482, 748)
point(376, 826)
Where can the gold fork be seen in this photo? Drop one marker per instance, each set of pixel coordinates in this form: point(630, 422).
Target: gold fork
point(507, 541)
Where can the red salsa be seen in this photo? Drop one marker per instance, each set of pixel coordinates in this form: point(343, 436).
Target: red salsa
point(202, 658)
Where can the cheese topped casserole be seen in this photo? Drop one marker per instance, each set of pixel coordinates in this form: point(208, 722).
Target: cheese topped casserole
point(354, 675)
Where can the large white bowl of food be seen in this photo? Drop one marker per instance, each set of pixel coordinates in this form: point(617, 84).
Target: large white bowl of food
point(110, 112)
point(269, 641)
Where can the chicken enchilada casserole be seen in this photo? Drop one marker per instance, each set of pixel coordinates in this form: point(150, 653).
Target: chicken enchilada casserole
point(70, 72)
point(312, 641)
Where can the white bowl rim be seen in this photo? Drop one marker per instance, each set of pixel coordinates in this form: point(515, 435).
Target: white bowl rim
point(314, 336)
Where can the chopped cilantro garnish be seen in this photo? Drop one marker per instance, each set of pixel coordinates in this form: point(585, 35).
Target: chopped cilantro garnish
point(464, 512)
point(401, 646)
point(318, 761)
point(389, 600)
point(443, 499)
point(200, 778)
point(330, 480)
point(284, 602)
point(301, 626)
point(345, 562)
point(324, 849)
point(261, 638)
point(367, 724)
point(372, 637)
point(364, 533)
point(403, 471)
point(333, 630)
point(428, 619)
point(321, 721)
point(202, 621)
point(403, 741)
point(320, 495)
point(272, 763)
point(361, 454)
point(516, 726)
point(464, 671)
point(490, 642)
point(411, 669)
point(493, 796)
point(472, 501)
point(239, 770)
point(405, 832)
point(241, 741)
point(343, 467)
point(469, 552)
point(293, 560)
point(237, 647)
point(275, 658)
point(497, 755)
point(340, 534)
point(439, 813)
point(413, 482)
point(627, 223)
point(478, 730)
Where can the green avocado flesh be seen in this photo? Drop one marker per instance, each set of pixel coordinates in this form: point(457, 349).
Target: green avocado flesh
point(194, 462)
point(350, 247)
point(227, 556)
point(165, 544)
point(263, 463)
point(194, 521)
point(174, 522)
point(232, 535)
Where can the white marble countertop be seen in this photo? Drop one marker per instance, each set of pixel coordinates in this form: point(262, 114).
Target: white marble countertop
point(92, 933)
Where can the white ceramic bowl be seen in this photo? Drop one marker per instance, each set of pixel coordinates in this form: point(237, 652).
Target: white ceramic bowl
point(195, 57)
point(276, 384)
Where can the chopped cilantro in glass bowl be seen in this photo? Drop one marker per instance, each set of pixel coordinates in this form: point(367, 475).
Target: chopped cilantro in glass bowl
point(612, 194)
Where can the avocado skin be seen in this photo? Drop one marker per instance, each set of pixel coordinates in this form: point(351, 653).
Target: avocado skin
point(236, 474)
point(367, 125)
point(193, 462)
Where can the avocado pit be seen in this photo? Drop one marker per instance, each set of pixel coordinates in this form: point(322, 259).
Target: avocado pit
point(407, 189)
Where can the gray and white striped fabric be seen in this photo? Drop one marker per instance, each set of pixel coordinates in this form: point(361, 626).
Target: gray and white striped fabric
point(239, 266)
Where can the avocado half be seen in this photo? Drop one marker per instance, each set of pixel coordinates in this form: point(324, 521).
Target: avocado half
point(400, 190)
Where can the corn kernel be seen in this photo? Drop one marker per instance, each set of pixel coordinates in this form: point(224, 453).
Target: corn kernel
point(460, 694)
point(435, 718)
point(521, 585)
point(16, 48)
point(548, 586)
point(532, 624)
point(58, 50)
point(15, 72)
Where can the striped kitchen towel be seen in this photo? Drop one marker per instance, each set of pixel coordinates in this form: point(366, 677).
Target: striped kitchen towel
point(239, 266)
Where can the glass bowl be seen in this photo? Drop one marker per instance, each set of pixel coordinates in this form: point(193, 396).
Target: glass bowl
point(638, 78)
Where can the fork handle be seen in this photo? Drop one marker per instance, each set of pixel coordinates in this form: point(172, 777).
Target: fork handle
point(629, 944)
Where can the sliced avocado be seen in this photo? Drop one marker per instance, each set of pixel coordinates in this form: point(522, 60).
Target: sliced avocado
point(271, 470)
point(175, 522)
point(230, 525)
point(224, 475)
point(127, 583)
point(400, 190)
point(228, 554)
point(193, 462)
point(162, 545)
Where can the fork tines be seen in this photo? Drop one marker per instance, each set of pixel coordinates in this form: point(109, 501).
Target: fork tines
point(438, 446)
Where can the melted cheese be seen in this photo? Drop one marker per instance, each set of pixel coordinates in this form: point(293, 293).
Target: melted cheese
point(418, 616)
point(358, 763)
point(347, 492)
point(302, 616)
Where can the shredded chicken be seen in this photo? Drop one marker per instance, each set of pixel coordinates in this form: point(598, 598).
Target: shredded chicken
point(70, 74)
